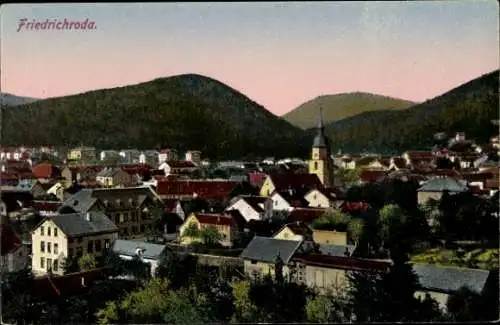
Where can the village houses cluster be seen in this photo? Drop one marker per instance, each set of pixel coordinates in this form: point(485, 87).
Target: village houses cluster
point(136, 202)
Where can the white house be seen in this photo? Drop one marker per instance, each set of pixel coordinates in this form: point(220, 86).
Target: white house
point(148, 253)
point(167, 154)
point(279, 202)
point(108, 154)
point(249, 206)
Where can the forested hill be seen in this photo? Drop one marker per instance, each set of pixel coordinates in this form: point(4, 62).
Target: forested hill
point(468, 108)
point(7, 99)
point(184, 112)
point(339, 106)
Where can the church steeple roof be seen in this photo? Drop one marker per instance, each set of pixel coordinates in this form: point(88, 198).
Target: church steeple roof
point(320, 141)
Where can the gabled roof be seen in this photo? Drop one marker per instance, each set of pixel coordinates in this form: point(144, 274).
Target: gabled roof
point(76, 224)
point(130, 247)
point(215, 219)
point(256, 179)
point(252, 200)
point(450, 279)
point(342, 262)
point(47, 205)
point(46, 170)
point(443, 184)
point(305, 214)
point(264, 249)
point(372, 175)
point(298, 228)
point(213, 189)
point(294, 197)
point(295, 181)
point(81, 201)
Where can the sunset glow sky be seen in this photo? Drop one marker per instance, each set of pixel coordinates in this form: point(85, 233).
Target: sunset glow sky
point(278, 54)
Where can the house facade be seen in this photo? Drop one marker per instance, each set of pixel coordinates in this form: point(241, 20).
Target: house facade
point(64, 236)
point(114, 177)
point(224, 223)
point(250, 207)
point(134, 209)
point(14, 254)
point(82, 153)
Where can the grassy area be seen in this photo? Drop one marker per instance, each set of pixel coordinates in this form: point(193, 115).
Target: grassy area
point(486, 259)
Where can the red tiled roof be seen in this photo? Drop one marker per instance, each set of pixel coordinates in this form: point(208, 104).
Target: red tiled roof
point(46, 170)
point(180, 164)
point(8, 176)
point(420, 154)
point(349, 206)
point(305, 214)
point(477, 177)
point(10, 240)
point(70, 284)
point(286, 181)
point(256, 179)
point(341, 262)
point(372, 175)
point(199, 188)
point(47, 205)
point(215, 219)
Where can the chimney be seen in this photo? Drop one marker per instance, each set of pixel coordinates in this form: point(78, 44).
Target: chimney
point(87, 216)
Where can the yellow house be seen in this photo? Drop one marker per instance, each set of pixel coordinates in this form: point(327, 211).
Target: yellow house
point(82, 153)
point(225, 224)
point(281, 182)
point(114, 177)
point(296, 231)
point(69, 235)
point(330, 237)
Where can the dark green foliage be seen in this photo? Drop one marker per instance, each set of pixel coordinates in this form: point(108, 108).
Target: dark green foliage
point(182, 112)
point(468, 108)
point(176, 267)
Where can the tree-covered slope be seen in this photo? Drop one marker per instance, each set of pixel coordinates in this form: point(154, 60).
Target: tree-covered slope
point(339, 106)
point(184, 112)
point(468, 108)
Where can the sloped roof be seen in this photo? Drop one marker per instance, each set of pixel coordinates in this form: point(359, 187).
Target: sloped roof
point(295, 181)
point(266, 249)
point(450, 279)
point(203, 189)
point(81, 201)
point(343, 262)
point(129, 248)
point(443, 184)
point(215, 219)
point(336, 250)
point(76, 224)
point(305, 214)
point(46, 170)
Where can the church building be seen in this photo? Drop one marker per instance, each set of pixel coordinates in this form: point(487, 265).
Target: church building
point(321, 163)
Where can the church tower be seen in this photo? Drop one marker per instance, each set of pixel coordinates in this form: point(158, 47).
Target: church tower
point(321, 163)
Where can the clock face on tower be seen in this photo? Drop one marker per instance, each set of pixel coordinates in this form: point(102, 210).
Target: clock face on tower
point(315, 155)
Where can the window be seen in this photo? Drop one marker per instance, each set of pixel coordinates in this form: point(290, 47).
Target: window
point(315, 165)
point(56, 248)
point(70, 252)
point(56, 265)
point(79, 240)
point(71, 240)
point(49, 250)
point(106, 243)
point(55, 232)
point(42, 246)
point(48, 231)
point(98, 245)
point(42, 231)
point(42, 262)
point(49, 264)
point(79, 251)
point(90, 246)
point(117, 219)
point(122, 218)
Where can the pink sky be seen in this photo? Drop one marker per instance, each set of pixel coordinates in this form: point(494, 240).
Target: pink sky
point(279, 58)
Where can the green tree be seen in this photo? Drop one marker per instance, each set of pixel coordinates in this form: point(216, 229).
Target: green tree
point(245, 309)
point(210, 236)
point(191, 231)
point(87, 262)
point(177, 268)
point(355, 229)
point(318, 309)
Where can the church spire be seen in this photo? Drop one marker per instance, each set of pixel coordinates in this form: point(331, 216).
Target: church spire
point(321, 125)
point(320, 140)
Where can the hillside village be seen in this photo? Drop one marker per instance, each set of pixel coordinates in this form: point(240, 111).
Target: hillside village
point(74, 220)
